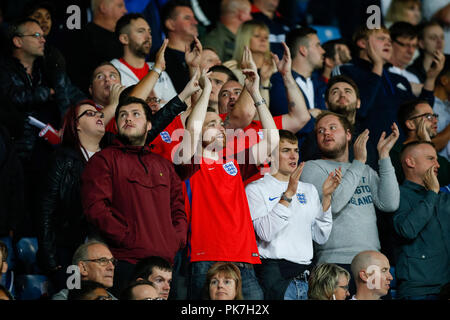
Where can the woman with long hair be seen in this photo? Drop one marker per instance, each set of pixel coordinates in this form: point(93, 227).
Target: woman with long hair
point(223, 282)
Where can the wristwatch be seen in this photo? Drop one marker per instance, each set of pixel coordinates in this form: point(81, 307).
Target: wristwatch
point(285, 198)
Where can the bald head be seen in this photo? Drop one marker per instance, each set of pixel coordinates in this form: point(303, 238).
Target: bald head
point(365, 259)
point(416, 158)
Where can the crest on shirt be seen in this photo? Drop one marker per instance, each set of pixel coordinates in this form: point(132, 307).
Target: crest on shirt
point(301, 198)
point(261, 135)
point(165, 136)
point(230, 168)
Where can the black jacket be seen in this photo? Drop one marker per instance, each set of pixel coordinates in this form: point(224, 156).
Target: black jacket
point(11, 186)
point(60, 214)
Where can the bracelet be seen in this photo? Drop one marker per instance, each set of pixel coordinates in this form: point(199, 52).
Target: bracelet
point(266, 88)
point(158, 71)
point(263, 101)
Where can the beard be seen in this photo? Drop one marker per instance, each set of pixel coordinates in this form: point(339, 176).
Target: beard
point(348, 111)
point(336, 152)
point(134, 139)
point(140, 50)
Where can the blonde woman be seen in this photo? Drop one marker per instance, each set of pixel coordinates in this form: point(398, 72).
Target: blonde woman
point(223, 282)
point(404, 10)
point(328, 281)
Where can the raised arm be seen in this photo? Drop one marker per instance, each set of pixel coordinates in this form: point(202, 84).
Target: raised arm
point(264, 148)
point(298, 114)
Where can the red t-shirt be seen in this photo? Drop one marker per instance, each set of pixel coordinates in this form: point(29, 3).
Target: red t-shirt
point(221, 227)
point(141, 72)
point(166, 143)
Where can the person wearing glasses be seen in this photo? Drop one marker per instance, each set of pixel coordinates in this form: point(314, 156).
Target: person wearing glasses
point(419, 122)
point(140, 290)
point(62, 226)
point(95, 262)
point(371, 271)
point(328, 281)
point(422, 223)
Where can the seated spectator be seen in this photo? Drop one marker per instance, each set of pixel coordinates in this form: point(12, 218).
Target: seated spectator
point(5, 294)
point(180, 27)
point(134, 35)
point(336, 53)
point(404, 11)
point(62, 224)
point(223, 282)
point(44, 13)
point(156, 270)
point(140, 290)
point(431, 47)
point(95, 263)
point(328, 282)
point(223, 37)
point(370, 270)
point(422, 223)
point(442, 108)
point(419, 122)
point(381, 90)
point(89, 290)
point(287, 217)
point(360, 191)
point(266, 12)
point(254, 35)
point(404, 46)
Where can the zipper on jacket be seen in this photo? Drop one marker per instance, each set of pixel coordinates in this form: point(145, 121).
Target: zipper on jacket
point(140, 160)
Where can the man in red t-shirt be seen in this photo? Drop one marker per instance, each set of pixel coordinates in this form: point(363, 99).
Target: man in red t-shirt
point(220, 223)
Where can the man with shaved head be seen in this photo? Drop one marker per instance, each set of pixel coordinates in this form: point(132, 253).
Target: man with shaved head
point(370, 270)
point(423, 223)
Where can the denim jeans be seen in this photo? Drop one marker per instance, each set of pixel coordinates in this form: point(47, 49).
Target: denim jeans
point(297, 290)
point(250, 286)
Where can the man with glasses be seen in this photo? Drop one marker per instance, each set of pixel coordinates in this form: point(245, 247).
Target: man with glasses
point(419, 122)
point(371, 271)
point(404, 46)
point(96, 263)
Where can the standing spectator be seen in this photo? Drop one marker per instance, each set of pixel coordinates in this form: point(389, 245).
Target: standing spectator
point(95, 263)
point(126, 183)
point(328, 282)
point(62, 225)
point(96, 42)
point(423, 222)
point(404, 45)
point(419, 121)
point(353, 202)
point(431, 46)
point(286, 228)
point(439, 10)
point(180, 27)
point(336, 53)
point(222, 38)
point(266, 12)
point(442, 107)
point(371, 271)
point(223, 282)
point(134, 35)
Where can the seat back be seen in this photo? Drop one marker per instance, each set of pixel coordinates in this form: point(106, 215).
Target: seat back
point(26, 249)
point(326, 33)
point(31, 287)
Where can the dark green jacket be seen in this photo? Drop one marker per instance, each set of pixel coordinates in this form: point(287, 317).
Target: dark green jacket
point(423, 223)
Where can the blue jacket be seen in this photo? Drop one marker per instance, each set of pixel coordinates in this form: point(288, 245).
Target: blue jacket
point(380, 96)
point(423, 223)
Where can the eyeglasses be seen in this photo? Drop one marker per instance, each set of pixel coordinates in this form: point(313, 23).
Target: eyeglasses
point(36, 35)
point(103, 261)
point(403, 45)
point(344, 287)
point(154, 99)
point(428, 116)
point(91, 114)
point(103, 298)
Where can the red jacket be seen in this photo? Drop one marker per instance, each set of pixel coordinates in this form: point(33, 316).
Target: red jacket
point(134, 198)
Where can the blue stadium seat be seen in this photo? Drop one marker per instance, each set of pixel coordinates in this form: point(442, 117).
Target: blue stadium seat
point(11, 257)
point(26, 255)
point(8, 281)
point(31, 287)
point(393, 283)
point(326, 33)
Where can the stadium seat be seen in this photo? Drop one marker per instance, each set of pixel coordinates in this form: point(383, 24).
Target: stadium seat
point(393, 283)
point(26, 255)
point(8, 281)
point(31, 287)
point(11, 257)
point(326, 33)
